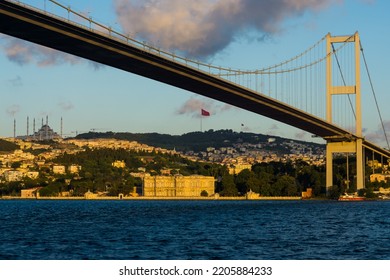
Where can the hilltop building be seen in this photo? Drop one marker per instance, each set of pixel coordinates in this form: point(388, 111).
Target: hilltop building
point(45, 133)
point(119, 164)
point(74, 168)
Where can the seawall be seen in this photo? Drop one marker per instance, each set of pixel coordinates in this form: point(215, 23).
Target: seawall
point(155, 198)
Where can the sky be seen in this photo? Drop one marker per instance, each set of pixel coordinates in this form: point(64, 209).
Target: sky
point(245, 34)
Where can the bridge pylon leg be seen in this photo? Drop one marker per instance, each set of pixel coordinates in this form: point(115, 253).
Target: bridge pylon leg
point(355, 147)
point(360, 165)
point(329, 168)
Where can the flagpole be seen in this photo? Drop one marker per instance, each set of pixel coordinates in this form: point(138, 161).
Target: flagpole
point(201, 118)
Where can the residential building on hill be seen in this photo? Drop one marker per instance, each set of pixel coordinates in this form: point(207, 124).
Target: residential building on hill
point(119, 164)
point(59, 169)
point(379, 177)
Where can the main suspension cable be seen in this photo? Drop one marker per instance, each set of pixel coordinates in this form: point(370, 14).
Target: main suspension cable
point(374, 94)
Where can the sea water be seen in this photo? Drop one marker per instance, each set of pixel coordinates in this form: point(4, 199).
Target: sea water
point(194, 230)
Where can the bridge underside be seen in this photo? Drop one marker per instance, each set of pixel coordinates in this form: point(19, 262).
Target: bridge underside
point(36, 27)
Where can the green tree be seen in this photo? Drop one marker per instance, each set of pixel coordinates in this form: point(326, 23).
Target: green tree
point(80, 187)
point(204, 193)
point(53, 188)
point(285, 186)
point(253, 183)
point(14, 188)
point(6, 146)
point(31, 183)
point(310, 177)
point(247, 180)
point(265, 183)
point(242, 179)
point(334, 192)
point(16, 164)
point(228, 186)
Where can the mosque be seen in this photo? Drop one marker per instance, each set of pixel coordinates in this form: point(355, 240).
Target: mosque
point(45, 133)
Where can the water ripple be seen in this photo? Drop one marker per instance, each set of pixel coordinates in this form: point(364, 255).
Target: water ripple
point(194, 230)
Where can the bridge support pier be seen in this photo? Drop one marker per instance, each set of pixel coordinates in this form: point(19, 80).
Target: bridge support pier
point(354, 146)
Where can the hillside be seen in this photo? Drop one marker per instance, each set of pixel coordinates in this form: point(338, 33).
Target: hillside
point(6, 146)
point(198, 141)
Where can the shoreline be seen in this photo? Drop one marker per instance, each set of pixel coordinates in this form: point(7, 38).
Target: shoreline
point(153, 198)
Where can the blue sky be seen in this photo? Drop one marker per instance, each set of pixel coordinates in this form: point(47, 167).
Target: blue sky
point(102, 98)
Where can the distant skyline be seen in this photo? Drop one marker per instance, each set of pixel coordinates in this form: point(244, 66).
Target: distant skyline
point(36, 82)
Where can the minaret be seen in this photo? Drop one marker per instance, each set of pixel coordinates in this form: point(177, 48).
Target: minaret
point(34, 136)
point(28, 127)
point(61, 127)
point(47, 128)
point(14, 129)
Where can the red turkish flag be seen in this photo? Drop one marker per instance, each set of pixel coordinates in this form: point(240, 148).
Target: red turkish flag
point(205, 113)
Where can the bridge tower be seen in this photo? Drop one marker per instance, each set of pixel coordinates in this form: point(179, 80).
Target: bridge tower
point(347, 144)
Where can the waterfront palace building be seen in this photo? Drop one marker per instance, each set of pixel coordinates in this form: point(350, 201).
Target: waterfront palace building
point(178, 186)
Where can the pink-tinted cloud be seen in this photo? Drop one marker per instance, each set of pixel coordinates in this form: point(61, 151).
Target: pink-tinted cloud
point(197, 28)
point(204, 27)
point(194, 105)
point(378, 136)
point(22, 52)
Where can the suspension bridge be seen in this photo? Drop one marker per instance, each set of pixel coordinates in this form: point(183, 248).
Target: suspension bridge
point(318, 91)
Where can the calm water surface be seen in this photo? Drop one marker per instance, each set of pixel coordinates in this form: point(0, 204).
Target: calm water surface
point(194, 230)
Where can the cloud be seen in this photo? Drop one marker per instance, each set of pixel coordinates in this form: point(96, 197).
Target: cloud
point(378, 135)
point(195, 28)
point(245, 128)
point(226, 107)
point(22, 52)
point(66, 105)
point(193, 107)
point(16, 82)
point(273, 130)
point(13, 110)
point(301, 135)
point(204, 27)
point(274, 127)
